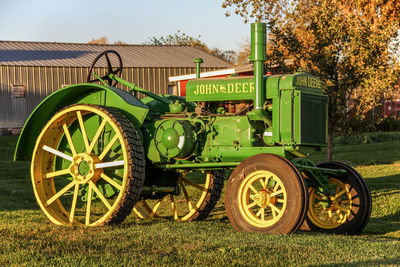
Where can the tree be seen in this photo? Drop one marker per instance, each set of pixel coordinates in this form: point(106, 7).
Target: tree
point(227, 55)
point(177, 38)
point(348, 44)
point(187, 40)
point(101, 40)
point(119, 43)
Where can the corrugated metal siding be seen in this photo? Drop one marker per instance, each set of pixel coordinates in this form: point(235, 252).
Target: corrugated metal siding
point(42, 81)
point(82, 55)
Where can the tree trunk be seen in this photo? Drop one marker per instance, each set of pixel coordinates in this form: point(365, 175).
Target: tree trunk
point(330, 145)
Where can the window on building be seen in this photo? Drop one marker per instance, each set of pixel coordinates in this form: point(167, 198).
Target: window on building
point(172, 89)
point(18, 91)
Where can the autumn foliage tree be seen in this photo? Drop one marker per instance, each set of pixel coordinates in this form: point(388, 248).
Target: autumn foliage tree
point(184, 39)
point(348, 44)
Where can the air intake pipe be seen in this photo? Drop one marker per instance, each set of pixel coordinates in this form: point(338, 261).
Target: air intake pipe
point(258, 56)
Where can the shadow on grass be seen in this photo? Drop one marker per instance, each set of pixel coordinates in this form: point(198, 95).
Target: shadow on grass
point(393, 261)
point(388, 187)
point(383, 225)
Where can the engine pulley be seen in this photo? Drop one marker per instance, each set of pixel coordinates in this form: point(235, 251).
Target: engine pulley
point(175, 138)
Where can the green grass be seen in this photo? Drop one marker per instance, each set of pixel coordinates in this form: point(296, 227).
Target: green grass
point(363, 154)
point(27, 238)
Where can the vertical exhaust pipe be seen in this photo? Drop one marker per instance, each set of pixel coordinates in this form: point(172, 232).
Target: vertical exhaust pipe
point(258, 56)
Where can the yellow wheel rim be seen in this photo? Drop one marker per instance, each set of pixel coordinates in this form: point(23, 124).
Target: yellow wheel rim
point(86, 168)
point(336, 213)
point(183, 207)
point(262, 198)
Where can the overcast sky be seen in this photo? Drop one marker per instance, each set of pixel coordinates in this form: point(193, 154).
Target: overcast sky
point(133, 22)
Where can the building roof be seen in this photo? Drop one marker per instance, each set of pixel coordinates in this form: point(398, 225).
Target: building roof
point(82, 55)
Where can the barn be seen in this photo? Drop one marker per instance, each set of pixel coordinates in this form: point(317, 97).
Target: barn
point(29, 71)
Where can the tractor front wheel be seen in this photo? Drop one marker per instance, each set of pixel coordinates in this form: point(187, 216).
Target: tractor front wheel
point(346, 210)
point(266, 193)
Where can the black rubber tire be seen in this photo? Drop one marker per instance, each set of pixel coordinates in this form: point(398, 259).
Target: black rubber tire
point(360, 212)
point(297, 197)
point(213, 195)
point(136, 167)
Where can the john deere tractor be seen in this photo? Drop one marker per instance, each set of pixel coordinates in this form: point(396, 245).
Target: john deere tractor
point(98, 152)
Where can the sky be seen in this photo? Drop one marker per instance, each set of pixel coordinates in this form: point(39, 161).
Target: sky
point(133, 22)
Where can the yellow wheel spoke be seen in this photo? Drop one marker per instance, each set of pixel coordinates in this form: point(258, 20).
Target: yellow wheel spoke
point(155, 208)
point(73, 206)
point(96, 136)
point(275, 187)
point(342, 209)
point(83, 131)
point(101, 196)
point(185, 193)
point(263, 214)
point(173, 206)
point(266, 182)
point(277, 193)
point(280, 200)
point(88, 205)
point(70, 143)
point(273, 212)
point(56, 173)
point(314, 195)
point(253, 189)
point(108, 147)
point(59, 193)
point(194, 184)
point(262, 182)
point(262, 210)
point(274, 209)
point(330, 214)
point(339, 194)
point(111, 181)
point(252, 204)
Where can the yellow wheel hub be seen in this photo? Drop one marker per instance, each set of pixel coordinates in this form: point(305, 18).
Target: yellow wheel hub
point(83, 170)
point(262, 198)
point(336, 212)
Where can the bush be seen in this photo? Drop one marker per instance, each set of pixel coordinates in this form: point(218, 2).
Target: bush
point(366, 138)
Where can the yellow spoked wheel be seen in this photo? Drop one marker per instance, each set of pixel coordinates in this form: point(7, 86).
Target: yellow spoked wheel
point(330, 212)
point(262, 198)
point(87, 166)
point(347, 207)
point(266, 193)
point(198, 195)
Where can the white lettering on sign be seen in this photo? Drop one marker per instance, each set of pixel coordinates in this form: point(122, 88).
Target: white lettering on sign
point(230, 88)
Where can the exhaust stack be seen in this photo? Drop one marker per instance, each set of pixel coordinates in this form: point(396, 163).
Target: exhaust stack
point(258, 56)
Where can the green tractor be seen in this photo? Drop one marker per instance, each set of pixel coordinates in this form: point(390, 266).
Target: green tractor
point(98, 152)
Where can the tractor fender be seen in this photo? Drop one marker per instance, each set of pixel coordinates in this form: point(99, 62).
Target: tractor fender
point(86, 93)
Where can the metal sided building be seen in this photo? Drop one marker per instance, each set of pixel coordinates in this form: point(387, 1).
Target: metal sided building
point(29, 71)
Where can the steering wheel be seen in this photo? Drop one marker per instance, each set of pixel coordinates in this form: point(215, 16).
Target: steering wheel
point(106, 77)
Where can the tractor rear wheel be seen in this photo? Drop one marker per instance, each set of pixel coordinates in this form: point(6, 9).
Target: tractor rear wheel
point(198, 196)
point(350, 205)
point(266, 193)
point(88, 166)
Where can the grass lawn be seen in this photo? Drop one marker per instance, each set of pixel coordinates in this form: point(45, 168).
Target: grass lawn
point(27, 238)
